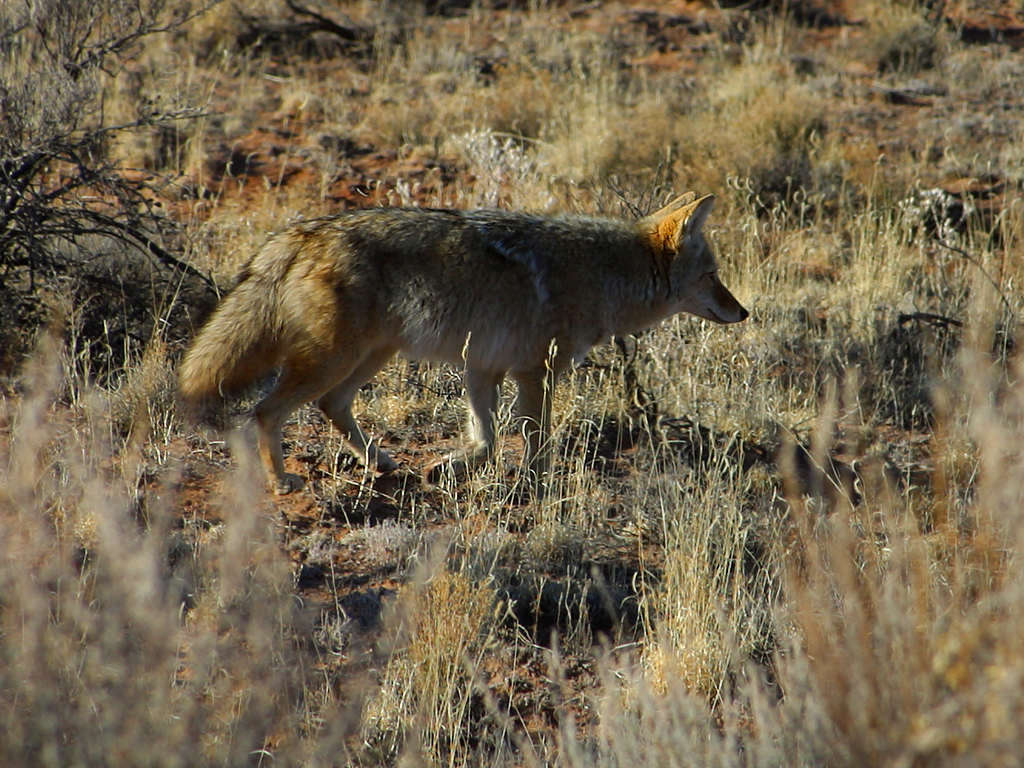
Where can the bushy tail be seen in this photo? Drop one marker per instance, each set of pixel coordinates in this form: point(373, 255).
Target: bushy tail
point(238, 345)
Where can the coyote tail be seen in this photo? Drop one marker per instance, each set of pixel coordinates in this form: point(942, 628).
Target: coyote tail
point(238, 345)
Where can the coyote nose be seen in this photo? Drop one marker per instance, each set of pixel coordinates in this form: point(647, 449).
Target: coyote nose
point(727, 305)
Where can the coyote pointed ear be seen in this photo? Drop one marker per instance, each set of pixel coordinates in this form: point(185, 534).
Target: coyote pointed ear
point(667, 232)
point(701, 210)
point(671, 207)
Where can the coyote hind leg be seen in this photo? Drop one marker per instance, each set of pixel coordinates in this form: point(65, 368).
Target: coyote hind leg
point(291, 391)
point(337, 404)
point(299, 383)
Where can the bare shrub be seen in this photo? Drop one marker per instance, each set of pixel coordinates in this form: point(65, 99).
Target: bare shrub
point(68, 214)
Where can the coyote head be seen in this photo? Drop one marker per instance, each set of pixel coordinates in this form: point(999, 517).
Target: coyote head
point(687, 262)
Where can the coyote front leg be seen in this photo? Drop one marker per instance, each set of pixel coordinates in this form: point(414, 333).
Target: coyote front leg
point(482, 389)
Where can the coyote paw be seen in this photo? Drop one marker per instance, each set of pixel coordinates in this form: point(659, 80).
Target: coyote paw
point(384, 464)
point(288, 483)
point(454, 467)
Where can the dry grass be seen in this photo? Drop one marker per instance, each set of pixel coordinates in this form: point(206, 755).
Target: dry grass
point(426, 700)
point(792, 542)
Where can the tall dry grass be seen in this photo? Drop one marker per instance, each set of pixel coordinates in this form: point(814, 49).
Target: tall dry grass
point(130, 634)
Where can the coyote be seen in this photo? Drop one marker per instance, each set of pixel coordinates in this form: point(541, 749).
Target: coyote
point(330, 300)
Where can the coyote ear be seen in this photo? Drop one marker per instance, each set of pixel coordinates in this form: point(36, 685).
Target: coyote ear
point(653, 218)
point(699, 214)
point(667, 233)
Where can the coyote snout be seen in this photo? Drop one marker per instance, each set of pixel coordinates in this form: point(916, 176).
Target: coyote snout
point(330, 300)
point(719, 305)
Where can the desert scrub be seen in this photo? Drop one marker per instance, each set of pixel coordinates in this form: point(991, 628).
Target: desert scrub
point(756, 123)
point(72, 218)
point(442, 627)
point(125, 631)
point(903, 41)
point(143, 616)
point(711, 607)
